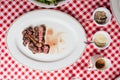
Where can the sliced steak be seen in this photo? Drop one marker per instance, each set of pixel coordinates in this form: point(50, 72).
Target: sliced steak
point(33, 48)
point(35, 39)
point(46, 48)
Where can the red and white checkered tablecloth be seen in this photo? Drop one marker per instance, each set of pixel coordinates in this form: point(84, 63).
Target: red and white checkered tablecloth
point(10, 69)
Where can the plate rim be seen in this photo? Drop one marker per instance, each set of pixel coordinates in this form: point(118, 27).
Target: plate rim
point(115, 13)
point(48, 6)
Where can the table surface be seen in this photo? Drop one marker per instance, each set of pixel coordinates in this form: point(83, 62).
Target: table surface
point(79, 9)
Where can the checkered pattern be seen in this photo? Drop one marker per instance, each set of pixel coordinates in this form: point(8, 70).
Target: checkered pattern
point(79, 9)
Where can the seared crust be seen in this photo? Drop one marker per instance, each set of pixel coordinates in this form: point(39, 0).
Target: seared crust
point(35, 38)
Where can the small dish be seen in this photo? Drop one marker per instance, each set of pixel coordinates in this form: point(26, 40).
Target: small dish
point(108, 16)
point(98, 62)
point(107, 38)
point(50, 5)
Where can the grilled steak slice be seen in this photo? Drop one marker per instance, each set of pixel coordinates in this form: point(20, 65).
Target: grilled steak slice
point(46, 48)
point(35, 39)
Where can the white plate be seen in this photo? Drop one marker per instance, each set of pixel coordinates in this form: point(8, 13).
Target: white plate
point(48, 6)
point(115, 6)
point(74, 37)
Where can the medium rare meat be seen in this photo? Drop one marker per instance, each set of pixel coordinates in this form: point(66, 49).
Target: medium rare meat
point(34, 38)
point(42, 31)
point(46, 48)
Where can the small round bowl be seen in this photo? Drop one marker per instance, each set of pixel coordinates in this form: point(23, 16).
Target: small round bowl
point(96, 57)
point(107, 36)
point(107, 63)
point(108, 14)
point(48, 6)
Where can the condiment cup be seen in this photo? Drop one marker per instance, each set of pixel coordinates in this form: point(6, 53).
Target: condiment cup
point(108, 14)
point(95, 58)
point(106, 35)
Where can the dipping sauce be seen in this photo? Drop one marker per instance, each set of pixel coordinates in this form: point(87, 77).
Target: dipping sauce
point(100, 17)
point(100, 64)
point(100, 40)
